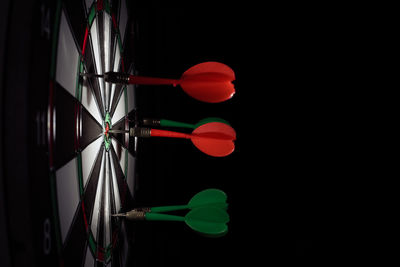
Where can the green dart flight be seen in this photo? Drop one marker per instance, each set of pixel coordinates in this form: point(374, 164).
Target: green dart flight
point(208, 213)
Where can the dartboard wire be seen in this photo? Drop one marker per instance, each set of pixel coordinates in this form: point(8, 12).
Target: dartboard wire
point(96, 59)
point(115, 204)
point(121, 66)
point(103, 23)
point(92, 91)
point(97, 209)
point(125, 195)
point(115, 44)
point(84, 188)
point(125, 155)
point(89, 45)
point(113, 60)
point(107, 23)
point(100, 249)
point(101, 48)
point(113, 225)
point(101, 228)
point(105, 232)
point(107, 209)
point(123, 90)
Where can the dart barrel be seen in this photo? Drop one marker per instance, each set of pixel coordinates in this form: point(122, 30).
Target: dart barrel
point(136, 215)
point(152, 122)
point(140, 132)
point(116, 77)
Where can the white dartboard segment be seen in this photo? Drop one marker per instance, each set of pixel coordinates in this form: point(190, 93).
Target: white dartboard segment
point(67, 57)
point(96, 208)
point(123, 19)
point(89, 101)
point(89, 155)
point(67, 195)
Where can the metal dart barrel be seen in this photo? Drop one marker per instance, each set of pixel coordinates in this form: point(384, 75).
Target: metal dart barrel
point(111, 77)
point(116, 77)
point(138, 132)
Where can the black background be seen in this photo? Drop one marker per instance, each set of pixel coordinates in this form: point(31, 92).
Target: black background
point(270, 178)
point(169, 41)
point(283, 181)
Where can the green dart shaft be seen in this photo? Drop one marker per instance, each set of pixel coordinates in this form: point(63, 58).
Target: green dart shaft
point(169, 123)
point(163, 217)
point(210, 197)
point(169, 208)
point(220, 205)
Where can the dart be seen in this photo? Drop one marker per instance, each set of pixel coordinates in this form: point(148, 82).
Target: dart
point(208, 82)
point(207, 213)
point(169, 123)
point(214, 138)
point(208, 221)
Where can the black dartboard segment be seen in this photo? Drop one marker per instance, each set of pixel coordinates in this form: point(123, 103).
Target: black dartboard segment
point(90, 180)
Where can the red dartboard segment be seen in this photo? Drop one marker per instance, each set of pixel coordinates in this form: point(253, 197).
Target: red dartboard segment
point(84, 41)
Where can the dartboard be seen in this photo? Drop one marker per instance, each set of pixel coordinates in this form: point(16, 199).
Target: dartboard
point(92, 174)
point(80, 175)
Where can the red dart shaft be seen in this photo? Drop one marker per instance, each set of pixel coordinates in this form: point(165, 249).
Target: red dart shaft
point(152, 81)
point(163, 133)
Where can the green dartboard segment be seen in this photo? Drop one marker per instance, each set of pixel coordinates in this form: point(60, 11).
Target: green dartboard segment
point(107, 125)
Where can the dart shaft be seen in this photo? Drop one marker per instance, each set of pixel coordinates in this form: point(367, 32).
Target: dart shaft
point(124, 78)
point(170, 134)
point(166, 123)
point(146, 132)
point(169, 123)
point(163, 217)
point(151, 81)
point(169, 208)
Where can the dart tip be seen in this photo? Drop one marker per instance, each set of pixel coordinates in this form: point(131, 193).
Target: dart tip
point(118, 131)
point(119, 215)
